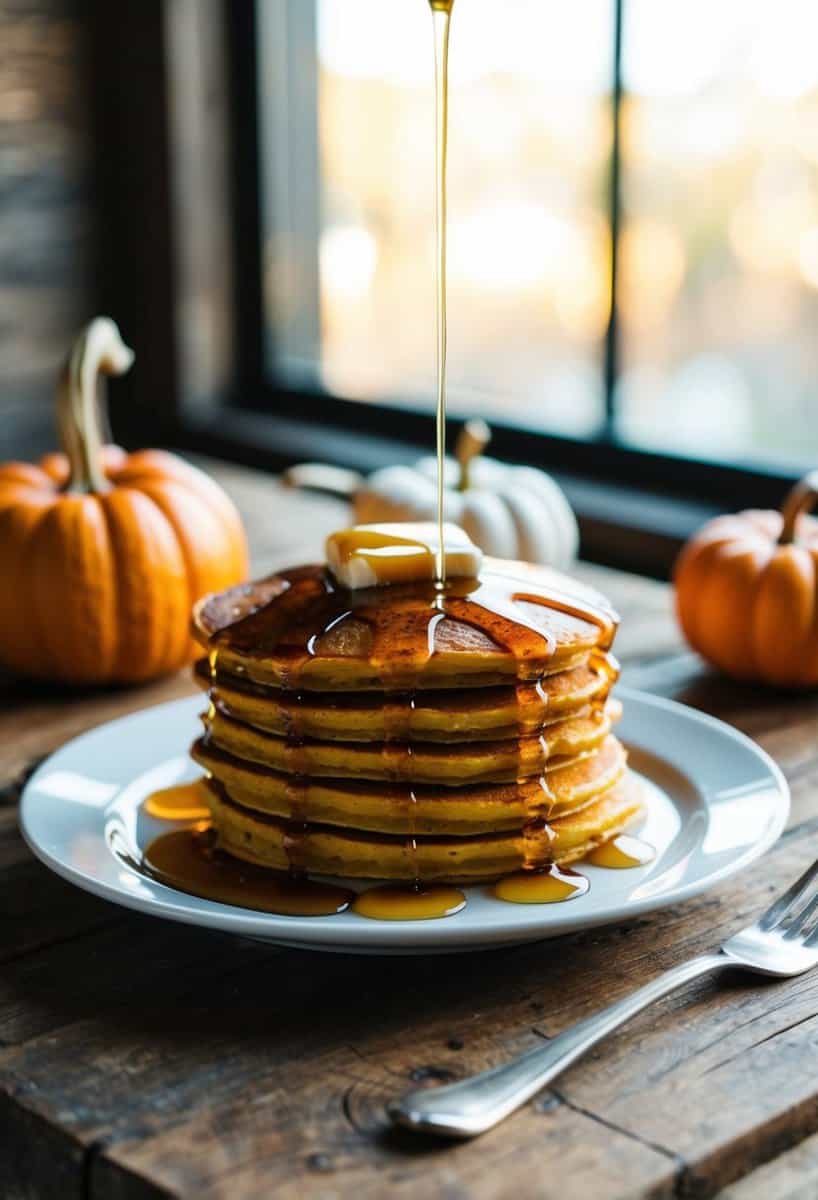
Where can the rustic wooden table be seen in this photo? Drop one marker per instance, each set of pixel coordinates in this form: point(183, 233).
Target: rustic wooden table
point(139, 1058)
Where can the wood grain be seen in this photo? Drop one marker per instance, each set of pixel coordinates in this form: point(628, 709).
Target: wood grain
point(791, 1176)
point(144, 1059)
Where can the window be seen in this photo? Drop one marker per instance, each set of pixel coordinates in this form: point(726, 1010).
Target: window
point(717, 300)
point(633, 239)
point(349, 268)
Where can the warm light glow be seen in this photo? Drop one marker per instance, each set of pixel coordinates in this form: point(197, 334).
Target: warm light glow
point(348, 258)
point(808, 256)
point(653, 265)
point(766, 231)
point(506, 246)
point(783, 59)
point(390, 41)
point(719, 241)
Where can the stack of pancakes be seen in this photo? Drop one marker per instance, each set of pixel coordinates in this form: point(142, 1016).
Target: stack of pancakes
point(392, 734)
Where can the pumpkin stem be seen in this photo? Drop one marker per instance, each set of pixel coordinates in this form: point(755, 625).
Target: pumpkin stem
point(471, 441)
point(99, 348)
point(800, 500)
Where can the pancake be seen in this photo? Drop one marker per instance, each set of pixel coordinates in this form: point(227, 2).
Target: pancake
point(457, 765)
point(391, 809)
point(447, 716)
point(326, 850)
point(299, 629)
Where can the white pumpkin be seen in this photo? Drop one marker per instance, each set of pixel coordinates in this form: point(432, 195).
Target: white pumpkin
point(508, 511)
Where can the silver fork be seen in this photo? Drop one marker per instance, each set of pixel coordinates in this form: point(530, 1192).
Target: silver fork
point(782, 943)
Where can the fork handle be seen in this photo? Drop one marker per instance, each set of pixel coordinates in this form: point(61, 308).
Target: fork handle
point(471, 1106)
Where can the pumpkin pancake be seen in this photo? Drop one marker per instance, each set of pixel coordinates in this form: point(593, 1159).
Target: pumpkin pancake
point(457, 765)
point(299, 629)
point(452, 716)
point(326, 850)
point(423, 810)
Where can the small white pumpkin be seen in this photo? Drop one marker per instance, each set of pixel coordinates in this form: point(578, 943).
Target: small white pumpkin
point(508, 511)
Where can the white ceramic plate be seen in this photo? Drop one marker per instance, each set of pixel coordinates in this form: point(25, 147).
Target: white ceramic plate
point(716, 803)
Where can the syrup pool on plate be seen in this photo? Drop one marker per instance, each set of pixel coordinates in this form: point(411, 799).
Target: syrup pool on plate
point(408, 902)
point(550, 885)
point(621, 853)
point(554, 884)
point(182, 802)
point(187, 859)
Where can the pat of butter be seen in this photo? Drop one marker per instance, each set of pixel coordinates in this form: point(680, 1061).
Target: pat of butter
point(403, 552)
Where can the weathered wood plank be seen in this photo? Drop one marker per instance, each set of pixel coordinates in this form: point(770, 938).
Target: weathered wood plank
point(127, 961)
point(791, 1176)
point(542, 1153)
point(255, 1056)
point(137, 982)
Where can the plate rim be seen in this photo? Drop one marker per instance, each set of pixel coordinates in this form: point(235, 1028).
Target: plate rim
point(398, 937)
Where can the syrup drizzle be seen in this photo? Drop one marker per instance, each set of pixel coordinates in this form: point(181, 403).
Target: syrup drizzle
point(212, 663)
point(390, 558)
point(292, 626)
point(296, 788)
point(397, 753)
point(441, 20)
point(538, 835)
point(526, 706)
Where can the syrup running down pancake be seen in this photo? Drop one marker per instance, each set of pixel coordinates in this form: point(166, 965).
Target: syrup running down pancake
point(412, 732)
point(417, 762)
point(398, 808)
point(446, 716)
point(300, 630)
point(335, 851)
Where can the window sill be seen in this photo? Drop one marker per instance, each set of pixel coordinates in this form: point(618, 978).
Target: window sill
point(621, 525)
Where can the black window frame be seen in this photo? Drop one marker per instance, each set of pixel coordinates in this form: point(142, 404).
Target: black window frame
point(156, 268)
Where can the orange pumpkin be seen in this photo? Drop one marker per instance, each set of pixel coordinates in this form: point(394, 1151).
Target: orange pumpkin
point(747, 591)
point(104, 552)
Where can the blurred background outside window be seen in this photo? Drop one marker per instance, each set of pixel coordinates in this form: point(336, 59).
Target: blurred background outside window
point(716, 304)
